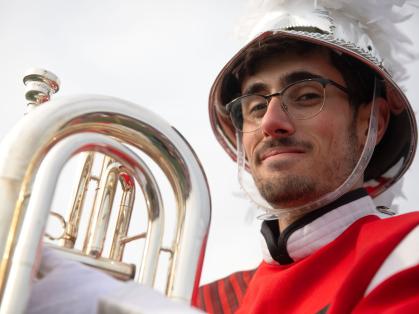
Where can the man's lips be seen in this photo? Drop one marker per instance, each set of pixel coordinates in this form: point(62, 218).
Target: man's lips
point(278, 151)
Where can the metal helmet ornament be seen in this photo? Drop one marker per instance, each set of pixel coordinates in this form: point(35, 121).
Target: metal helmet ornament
point(362, 29)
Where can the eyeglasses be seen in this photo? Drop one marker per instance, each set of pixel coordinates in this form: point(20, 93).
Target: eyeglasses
point(301, 100)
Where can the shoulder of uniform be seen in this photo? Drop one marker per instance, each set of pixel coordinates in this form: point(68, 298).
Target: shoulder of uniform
point(404, 256)
point(392, 224)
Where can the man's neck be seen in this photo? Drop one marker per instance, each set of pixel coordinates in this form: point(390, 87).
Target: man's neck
point(289, 218)
point(294, 240)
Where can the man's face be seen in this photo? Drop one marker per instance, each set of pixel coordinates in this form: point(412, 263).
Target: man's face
point(293, 161)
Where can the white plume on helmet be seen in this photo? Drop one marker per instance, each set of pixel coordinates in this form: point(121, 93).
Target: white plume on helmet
point(377, 19)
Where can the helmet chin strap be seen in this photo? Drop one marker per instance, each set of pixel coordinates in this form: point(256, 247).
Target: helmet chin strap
point(270, 213)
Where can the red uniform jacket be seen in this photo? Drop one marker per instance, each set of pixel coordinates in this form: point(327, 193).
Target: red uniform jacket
point(333, 279)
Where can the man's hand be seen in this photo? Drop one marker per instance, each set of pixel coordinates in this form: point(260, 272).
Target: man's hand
point(70, 287)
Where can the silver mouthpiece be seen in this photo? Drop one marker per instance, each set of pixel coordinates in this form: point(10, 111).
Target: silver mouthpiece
point(40, 85)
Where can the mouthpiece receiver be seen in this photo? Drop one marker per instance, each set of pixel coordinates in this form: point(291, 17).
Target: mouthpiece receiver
point(40, 85)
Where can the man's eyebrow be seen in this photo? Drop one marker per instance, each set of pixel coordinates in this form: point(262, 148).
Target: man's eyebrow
point(297, 76)
point(255, 88)
point(286, 80)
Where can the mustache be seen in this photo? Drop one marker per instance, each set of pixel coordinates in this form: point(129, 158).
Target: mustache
point(282, 142)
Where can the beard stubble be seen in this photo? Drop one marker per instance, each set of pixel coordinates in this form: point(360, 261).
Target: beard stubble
point(298, 189)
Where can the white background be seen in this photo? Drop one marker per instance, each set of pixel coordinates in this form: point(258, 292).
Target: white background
point(163, 55)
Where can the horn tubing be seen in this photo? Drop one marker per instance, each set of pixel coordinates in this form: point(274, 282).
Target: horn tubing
point(21, 269)
point(126, 122)
point(74, 216)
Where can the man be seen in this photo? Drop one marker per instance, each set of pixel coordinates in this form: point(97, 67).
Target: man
point(308, 108)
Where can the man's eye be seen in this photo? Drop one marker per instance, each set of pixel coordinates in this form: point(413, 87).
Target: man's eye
point(308, 96)
point(257, 108)
point(308, 99)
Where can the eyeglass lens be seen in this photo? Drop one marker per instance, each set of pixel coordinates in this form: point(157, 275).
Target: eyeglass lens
point(302, 100)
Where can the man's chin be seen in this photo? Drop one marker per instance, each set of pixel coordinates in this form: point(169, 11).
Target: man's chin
point(287, 191)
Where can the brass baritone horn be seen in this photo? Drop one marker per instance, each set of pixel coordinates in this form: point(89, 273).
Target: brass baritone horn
point(33, 154)
point(40, 85)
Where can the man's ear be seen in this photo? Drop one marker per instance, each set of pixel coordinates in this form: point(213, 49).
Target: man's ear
point(383, 118)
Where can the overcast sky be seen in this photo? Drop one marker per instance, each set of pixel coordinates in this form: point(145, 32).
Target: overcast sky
point(163, 55)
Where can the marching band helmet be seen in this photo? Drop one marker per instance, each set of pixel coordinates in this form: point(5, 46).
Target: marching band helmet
point(362, 30)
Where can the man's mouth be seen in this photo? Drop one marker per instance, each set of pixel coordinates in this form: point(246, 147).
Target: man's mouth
point(280, 152)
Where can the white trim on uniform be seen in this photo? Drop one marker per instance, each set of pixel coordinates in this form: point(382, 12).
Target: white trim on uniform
point(404, 256)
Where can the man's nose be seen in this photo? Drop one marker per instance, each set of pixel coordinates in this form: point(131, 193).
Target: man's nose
point(276, 122)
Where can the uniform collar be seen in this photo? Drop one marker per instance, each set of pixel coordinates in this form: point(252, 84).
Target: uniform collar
point(314, 230)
